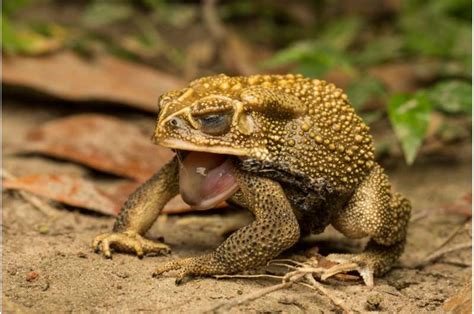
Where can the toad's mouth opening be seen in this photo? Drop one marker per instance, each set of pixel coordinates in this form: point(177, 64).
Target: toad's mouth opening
point(205, 179)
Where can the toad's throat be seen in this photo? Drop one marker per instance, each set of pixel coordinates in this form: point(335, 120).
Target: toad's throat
point(206, 180)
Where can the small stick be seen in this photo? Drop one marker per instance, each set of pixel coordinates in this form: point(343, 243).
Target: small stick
point(43, 206)
point(286, 260)
point(439, 253)
point(249, 297)
point(419, 215)
point(318, 286)
point(450, 237)
point(287, 281)
point(284, 265)
point(248, 276)
point(456, 263)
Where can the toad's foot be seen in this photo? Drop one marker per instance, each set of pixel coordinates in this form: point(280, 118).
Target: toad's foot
point(206, 265)
point(348, 263)
point(127, 241)
point(375, 260)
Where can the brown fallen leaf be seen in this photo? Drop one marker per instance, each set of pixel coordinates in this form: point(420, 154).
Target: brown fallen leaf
point(83, 193)
point(106, 78)
point(101, 142)
point(66, 189)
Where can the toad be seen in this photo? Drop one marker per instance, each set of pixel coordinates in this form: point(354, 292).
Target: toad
point(291, 150)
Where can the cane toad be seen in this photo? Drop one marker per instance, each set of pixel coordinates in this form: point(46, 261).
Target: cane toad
point(291, 150)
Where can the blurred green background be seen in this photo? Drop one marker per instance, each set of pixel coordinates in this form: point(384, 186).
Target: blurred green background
point(406, 65)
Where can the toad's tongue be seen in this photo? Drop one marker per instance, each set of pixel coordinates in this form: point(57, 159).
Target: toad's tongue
point(206, 180)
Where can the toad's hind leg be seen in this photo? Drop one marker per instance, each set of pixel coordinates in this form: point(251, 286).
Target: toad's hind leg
point(275, 229)
point(375, 212)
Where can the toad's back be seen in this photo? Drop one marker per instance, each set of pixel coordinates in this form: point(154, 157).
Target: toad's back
point(328, 143)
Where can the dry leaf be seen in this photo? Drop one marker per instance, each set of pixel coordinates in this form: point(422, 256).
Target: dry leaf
point(106, 78)
point(101, 142)
point(66, 189)
point(79, 192)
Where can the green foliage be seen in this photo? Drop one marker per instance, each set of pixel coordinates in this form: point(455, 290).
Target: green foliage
point(454, 97)
point(432, 33)
point(410, 116)
point(438, 30)
point(384, 48)
point(313, 59)
point(316, 57)
point(154, 4)
point(102, 13)
point(423, 28)
point(341, 33)
point(41, 38)
point(9, 42)
point(9, 7)
point(323, 38)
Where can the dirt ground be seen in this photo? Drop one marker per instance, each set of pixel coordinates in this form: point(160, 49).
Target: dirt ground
point(72, 278)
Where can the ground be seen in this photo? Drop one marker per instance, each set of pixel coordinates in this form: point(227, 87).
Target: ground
point(48, 266)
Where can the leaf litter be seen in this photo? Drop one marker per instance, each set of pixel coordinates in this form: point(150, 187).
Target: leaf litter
point(107, 78)
point(100, 142)
point(83, 193)
point(73, 191)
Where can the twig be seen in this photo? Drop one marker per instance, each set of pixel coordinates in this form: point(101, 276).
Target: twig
point(457, 263)
point(286, 260)
point(284, 265)
point(304, 271)
point(318, 286)
point(43, 206)
point(451, 236)
point(248, 276)
point(249, 297)
point(419, 215)
point(439, 253)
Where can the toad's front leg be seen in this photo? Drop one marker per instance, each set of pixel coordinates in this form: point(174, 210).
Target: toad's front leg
point(275, 229)
point(139, 213)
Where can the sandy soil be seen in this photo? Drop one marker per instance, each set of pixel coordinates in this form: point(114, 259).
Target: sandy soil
point(71, 278)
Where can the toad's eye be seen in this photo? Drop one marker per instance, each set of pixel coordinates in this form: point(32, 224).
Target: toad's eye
point(215, 123)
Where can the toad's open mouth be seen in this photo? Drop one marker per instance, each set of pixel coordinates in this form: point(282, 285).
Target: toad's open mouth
point(205, 179)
